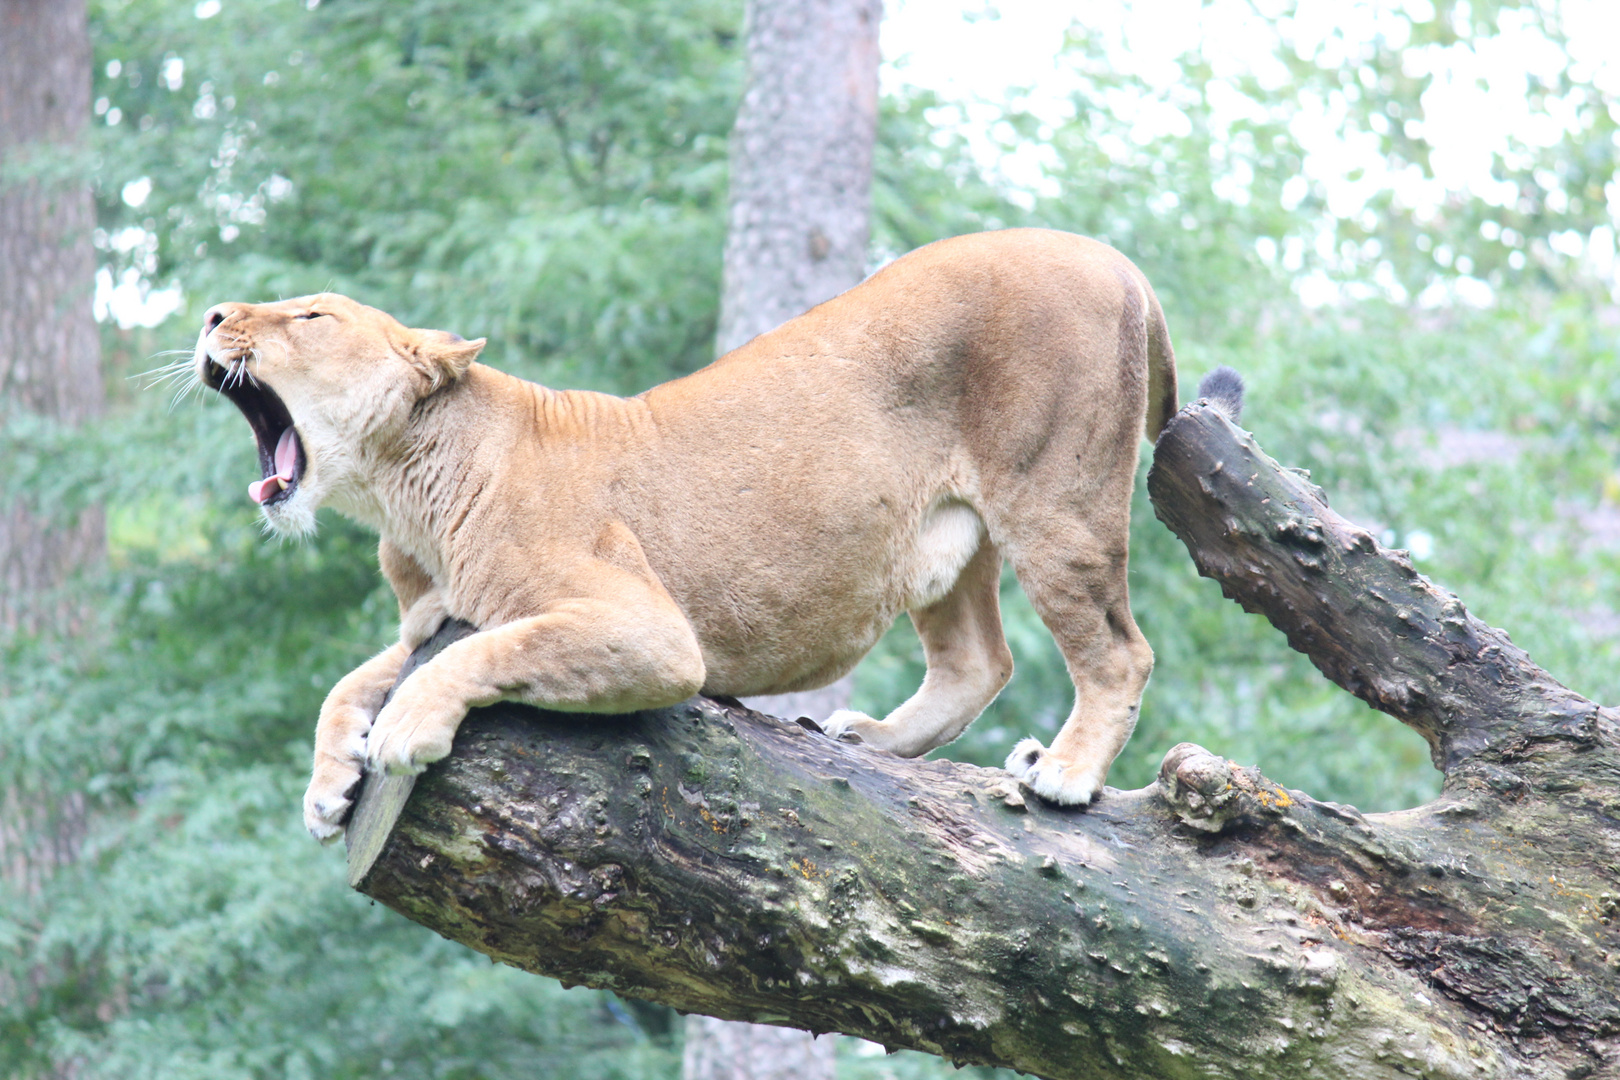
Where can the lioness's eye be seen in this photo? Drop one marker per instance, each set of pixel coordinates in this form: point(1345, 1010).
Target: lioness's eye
point(311, 315)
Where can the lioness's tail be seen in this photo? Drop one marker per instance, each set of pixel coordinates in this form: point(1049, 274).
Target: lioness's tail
point(1161, 370)
point(1223, 387)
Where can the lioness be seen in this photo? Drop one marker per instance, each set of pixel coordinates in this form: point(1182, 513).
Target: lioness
point(752, 528)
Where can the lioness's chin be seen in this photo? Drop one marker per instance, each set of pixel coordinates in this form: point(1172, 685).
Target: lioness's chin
point(293, 518)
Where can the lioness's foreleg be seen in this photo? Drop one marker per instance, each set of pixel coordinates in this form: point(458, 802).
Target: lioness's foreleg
point(968, 664)
point(1082, 598)
point(340, 739)
point(582, 655)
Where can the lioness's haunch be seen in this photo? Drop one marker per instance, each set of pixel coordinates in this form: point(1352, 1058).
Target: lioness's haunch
point(752, 528)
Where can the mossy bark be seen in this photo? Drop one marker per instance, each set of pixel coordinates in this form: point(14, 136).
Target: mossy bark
point(1211, 925)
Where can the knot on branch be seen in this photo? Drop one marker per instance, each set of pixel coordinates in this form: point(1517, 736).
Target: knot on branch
point(1207, 792)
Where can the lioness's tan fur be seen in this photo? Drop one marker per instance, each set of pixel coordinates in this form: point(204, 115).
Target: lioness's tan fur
point(751, 528)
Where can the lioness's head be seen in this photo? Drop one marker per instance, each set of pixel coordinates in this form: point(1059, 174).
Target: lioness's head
point(322, 380)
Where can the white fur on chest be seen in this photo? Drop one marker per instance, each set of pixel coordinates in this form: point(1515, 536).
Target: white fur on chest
point(947, 537)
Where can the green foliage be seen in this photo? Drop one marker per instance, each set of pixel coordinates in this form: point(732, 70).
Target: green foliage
point(1486, 435)
point(552, 175)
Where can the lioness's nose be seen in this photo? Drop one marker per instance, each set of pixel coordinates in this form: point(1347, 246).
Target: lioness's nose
point(213, 317)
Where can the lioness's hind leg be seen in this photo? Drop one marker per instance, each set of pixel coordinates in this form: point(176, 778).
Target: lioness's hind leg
point(968, 664)
point(1076, 581)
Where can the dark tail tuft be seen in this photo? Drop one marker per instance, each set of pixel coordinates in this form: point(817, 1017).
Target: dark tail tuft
point(1223, 388)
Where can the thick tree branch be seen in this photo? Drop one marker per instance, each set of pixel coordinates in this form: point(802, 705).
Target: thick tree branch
point(1211, 925)
point(1363, 614)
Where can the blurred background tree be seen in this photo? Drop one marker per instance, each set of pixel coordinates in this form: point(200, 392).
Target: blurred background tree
point(49, 346)
point(798, 227)
point(49, 366)
point(1438, 346)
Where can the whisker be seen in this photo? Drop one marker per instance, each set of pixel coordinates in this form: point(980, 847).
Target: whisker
point(163, 372)
point(157, 378)
point(186, 386)
point(167, 377)
point(170, 352)
point(170, 366)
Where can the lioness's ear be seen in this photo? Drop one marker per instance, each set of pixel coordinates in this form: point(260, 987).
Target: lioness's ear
point(443, 357)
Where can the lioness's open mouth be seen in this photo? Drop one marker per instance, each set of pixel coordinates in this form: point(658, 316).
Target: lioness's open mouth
point(281, 454)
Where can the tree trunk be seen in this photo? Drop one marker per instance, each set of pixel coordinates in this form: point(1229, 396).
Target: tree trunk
point(801, 162)
point(50, 364)
point(801, 181)
point(49, 351)
point(1211, 925)
point(801, 190)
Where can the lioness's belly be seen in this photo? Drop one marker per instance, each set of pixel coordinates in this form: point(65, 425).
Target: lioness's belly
point(806, 616)
point(800, 512)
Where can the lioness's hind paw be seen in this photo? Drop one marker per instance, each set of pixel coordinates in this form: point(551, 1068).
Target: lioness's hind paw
point(1024, 757)
point(842, 725)
point(1065, 785)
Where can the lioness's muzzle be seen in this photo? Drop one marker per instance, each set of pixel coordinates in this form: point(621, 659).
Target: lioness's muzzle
point(281, 453)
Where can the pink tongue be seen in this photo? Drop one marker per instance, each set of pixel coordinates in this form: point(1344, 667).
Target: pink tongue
point(286, 458)
point(261, 490)
point(286, 454)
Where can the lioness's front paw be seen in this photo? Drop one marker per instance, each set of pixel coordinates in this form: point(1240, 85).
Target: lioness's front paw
point(1051, 779)
point(327, 801)
point(411, 733)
